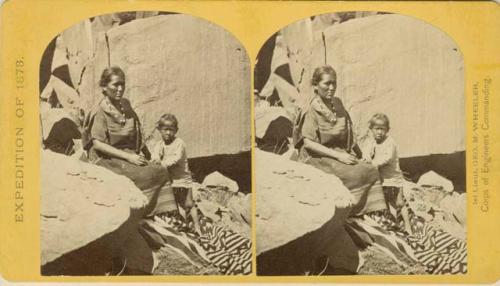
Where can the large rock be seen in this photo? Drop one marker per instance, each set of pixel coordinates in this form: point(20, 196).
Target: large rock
point(81, 203)
point(294, 199)
point(431, 178)
point(173, 64)
point(216, 179)
point(264, 115)
point(390, 63)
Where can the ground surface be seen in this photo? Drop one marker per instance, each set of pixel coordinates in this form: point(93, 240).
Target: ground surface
point(378, 263)
point(172, 263)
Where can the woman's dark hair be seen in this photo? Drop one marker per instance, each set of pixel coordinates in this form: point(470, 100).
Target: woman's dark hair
point(107, 73)
point(167, 117)
point(379, 117)
point(320, 71)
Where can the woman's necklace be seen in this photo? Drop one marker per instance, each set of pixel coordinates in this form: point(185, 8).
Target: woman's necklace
point(328, 103)
point(119, 115)
point(120, 107)
point(122, 113)
point(328, 110)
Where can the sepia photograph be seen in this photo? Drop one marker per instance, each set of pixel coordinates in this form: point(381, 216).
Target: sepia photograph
point(360, 148)
point(145, 136)
point(249, 142)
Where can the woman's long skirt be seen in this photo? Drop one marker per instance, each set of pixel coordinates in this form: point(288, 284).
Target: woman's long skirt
point(153, 180)
point(361, 179)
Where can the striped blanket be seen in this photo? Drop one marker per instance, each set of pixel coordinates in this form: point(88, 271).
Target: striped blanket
point(223, 248)
point(437, 250)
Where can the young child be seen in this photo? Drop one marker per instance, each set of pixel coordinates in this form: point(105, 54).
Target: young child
point(381, 151)
point(170, 152)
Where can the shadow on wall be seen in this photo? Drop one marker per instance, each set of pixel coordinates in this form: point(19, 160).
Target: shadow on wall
point(237, 167)
point(276, 139)
point(450, 166)
point(61, 136)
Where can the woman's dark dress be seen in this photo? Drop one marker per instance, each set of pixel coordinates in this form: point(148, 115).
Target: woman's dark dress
point(121, 129)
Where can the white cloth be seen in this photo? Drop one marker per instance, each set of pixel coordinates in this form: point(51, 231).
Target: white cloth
point(173, 157)
point(384, 155)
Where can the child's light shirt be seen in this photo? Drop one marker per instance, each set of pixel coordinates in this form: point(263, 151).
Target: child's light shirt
point(173, 157)
point(385, 157)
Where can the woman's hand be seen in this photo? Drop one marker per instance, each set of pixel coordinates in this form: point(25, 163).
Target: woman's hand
point(365, 160)
point(136, 159)
point(337, 154)
point(117, 153)
point(347, 158)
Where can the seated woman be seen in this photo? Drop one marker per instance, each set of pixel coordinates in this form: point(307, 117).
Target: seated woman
point(112, 139)
point(324, 139)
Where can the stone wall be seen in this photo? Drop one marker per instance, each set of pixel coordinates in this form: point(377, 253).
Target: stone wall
point(173, 63)
point(387, 63)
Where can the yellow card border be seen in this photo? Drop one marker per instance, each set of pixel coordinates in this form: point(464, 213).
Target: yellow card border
point(27, 27)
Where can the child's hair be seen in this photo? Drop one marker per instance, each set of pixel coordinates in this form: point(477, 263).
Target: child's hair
point(167, 117)
point(379, 117)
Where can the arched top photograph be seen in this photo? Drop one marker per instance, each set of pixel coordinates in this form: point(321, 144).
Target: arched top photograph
point(145, 121)
point(362, 114)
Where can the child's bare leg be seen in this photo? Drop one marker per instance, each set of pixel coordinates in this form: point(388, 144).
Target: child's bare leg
point(193, 211)
point(406, 219)
point(196, 220)
point(179, 200)
point(391, 200)
point(404, 211)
